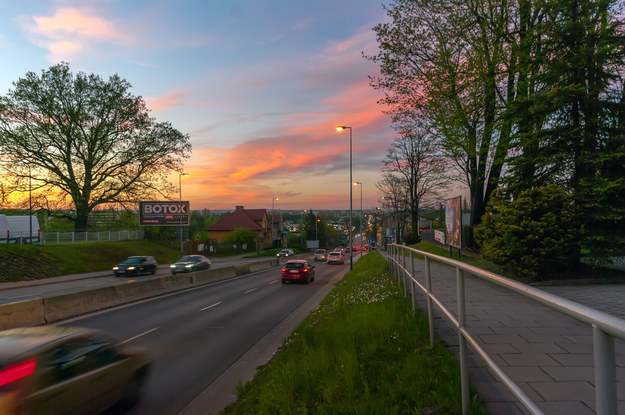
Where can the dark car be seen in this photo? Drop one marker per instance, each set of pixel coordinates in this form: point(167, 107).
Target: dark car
point(190, 263)
point(298, 270)
point(135, 266)
point(67, 370)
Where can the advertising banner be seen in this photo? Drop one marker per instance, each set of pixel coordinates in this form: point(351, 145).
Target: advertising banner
point(164, 213)
point(453, 221)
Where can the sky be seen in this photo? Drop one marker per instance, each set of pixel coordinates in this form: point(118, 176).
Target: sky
point(258, 85)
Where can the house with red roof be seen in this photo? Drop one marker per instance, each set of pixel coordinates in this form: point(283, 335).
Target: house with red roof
point(253, 219)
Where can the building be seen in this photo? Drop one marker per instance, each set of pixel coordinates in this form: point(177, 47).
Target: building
point(253, 219)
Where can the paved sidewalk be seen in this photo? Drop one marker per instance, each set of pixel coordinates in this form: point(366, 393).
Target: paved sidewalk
point(548, 354)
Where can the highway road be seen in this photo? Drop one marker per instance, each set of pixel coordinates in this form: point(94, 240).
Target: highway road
point(27, 290)
point(197, 334)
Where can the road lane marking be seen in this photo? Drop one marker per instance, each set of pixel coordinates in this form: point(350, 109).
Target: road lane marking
point(211, 306)
point(93, 285)
point(140, 335)
point(23, 296)
point(273, 282)
point(249, 291)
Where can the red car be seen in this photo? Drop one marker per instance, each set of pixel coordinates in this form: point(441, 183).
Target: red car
point(298, 270)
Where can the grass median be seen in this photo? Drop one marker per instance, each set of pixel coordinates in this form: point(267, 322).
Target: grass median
point(361, 351)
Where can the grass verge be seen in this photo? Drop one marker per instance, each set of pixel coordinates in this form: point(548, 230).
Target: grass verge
point(30, 262)
point(362, 351)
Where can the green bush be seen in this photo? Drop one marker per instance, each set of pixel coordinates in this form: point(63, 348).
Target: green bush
point(536, 235)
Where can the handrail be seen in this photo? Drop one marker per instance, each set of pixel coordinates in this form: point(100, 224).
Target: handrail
point(605, 326)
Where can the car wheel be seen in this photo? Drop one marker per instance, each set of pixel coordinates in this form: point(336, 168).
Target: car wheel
point(133, 391)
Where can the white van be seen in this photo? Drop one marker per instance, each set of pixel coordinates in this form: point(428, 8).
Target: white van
point(19, 229)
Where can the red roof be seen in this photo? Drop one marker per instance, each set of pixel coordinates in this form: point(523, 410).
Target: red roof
point(238, 219)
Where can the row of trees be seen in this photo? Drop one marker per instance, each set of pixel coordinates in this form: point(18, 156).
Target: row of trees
point(512, 96)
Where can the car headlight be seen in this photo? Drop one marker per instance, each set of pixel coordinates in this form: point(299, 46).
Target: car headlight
point(115, 268)
point(172, 266)
point(189, 266)
point(131, 268)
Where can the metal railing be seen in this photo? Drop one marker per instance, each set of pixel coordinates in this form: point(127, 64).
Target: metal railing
point(58, 238)
point(605, 327)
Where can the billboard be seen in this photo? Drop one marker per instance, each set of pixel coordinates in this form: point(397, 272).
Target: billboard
point(453, 224)
point(164, 213)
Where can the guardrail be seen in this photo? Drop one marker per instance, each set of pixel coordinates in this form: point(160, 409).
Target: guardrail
point(605, 327)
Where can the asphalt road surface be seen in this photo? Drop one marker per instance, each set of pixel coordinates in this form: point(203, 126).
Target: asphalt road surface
point(196, 335)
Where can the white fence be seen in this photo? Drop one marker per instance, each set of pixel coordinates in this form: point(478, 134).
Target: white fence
point(58, 238)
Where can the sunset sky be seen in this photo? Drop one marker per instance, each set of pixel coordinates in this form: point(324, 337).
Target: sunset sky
point(258, 85)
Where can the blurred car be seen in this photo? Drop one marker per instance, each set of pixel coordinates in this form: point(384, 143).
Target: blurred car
point(298, 270)
point(67, 370)
point(136, 265)
point(346, 249)
point(320, 255)
point(190, 263)
point(286, 252)
point(335, 258)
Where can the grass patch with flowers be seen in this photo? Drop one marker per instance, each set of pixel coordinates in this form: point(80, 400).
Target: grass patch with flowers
point(361, 351)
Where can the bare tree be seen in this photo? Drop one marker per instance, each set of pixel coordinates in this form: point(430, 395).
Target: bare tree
point(86, 140)
point(415, 155)
point(392, 189)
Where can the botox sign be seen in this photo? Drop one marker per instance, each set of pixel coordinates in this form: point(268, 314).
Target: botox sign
point(164, 213)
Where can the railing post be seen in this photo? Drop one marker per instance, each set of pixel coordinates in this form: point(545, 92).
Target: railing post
point(412, 284)
point(462, 343)
point(605, 372)
point(428, 289)
point(404, 275)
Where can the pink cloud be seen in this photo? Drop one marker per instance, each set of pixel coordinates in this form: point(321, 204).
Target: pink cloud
point(70, 31)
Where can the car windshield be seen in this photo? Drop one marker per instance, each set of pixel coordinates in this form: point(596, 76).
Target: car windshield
point(188, 259)
point(294, 265)
point(320, 251)
point(135, 260)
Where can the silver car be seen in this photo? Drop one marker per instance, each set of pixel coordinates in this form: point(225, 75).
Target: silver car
point(320, 255)
point(335, 258)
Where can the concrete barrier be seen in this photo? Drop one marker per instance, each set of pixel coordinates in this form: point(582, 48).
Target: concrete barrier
point(69, 305)
point(22, 313)
point(51, 309)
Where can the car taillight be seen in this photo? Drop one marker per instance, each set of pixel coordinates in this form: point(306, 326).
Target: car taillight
point(15, 372)
point(305, 270)
point(283, 269)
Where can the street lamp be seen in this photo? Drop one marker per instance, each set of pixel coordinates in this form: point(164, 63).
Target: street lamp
point(341, 128)
point(317, 230)
point(272, 204)
point(361, 216)
point(180, 188)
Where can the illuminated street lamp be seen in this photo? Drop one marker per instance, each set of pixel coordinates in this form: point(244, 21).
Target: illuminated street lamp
point(341, 128)
point(272, 204)
point(361, 216)
point(180, 188)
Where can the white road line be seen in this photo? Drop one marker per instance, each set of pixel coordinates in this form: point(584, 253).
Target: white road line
point(93, 285)
point(273, 282)
point(139, 335)
point(23, 296)
point(249, 291)
point(211, 306)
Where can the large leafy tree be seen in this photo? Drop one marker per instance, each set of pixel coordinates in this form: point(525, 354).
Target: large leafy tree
point(86, 139)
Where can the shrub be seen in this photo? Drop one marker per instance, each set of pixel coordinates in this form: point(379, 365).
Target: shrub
point(536, 235)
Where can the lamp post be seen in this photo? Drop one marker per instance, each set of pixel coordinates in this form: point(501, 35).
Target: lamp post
point(30, 205)
point(341, 128)
point(317, 229)
point(361, 217)
point(180, 189)
point(272, 204)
